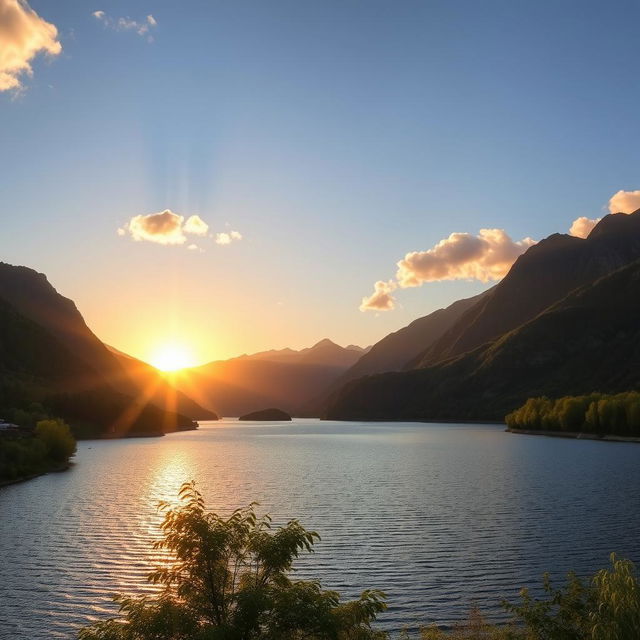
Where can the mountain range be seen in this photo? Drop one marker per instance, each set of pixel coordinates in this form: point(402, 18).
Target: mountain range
point(563, 321)
point(286, 378)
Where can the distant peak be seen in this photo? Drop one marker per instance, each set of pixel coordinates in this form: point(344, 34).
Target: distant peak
point(325, 342)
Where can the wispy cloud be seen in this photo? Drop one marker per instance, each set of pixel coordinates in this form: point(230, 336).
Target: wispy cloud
point(23, 35)
point(141, 27)
point(227, 237)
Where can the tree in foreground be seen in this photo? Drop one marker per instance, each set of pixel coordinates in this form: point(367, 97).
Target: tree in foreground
point(229, 579)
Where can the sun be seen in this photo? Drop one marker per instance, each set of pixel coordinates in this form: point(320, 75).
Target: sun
point(171, 357)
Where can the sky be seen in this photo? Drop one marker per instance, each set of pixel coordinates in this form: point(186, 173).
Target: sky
point(244, 175)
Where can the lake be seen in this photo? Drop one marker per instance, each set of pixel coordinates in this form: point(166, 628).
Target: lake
point(438, 516)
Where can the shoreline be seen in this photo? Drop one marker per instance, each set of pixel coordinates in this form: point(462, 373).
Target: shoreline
point(575, 435)
point(59, 469)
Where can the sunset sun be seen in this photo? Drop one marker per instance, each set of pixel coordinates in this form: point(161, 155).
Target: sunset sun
point(171, 357)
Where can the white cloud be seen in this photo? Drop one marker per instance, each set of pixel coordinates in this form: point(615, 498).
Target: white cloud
point(624, 202)
point(165, 227)
point(227, 237)
point(141, 27)
point(23, 34)
point(462, 256)
point(381, 298)
point(196, 225)
point(581, 227)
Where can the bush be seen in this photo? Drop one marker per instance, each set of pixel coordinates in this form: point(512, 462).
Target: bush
point(229, 580)
point(58, 440)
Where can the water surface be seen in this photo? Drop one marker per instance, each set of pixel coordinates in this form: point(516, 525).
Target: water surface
point(438, 516)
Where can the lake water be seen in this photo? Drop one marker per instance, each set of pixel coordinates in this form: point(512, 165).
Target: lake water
point(438, 516)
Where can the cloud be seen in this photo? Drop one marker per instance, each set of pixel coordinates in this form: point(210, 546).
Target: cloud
point(381, 298)
point(169, 228)
point(196, 225)
point(141, 27)
point(624, 202)
point(463, 256)
point(23, 34)
point(582, 226)
point(165, 227)
point(227, 237)
point(620, 202)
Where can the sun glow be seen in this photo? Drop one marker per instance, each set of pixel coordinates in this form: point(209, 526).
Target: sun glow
point(171, 357)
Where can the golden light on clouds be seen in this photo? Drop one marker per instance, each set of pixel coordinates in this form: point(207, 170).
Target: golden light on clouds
point(23, 35)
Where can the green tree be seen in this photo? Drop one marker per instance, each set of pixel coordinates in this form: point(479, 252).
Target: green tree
point(229, 580)
point(57, 438)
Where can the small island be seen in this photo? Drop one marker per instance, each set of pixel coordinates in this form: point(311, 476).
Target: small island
point(267, 415)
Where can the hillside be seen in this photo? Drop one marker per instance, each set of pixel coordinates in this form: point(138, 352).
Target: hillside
point(286, 378)
point(590, 341)
point(543, 275)
point(71, 360)
point(37, 369)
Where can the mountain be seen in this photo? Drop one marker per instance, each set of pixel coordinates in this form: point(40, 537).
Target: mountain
point(71, 370)
point(284, 378)
point(589, 341)
point(543, 275)
point(395, 350)
point(325, 352)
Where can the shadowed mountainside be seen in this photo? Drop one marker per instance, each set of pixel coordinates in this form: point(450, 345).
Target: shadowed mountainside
point(590, 341)
point(36, 369)
point(543, 275)
point(49, 355)
point(396, 349)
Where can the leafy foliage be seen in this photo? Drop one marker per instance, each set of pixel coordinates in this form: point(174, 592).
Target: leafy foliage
point(605, 608)
point(48, 447)
point(229, 580)
point(594, 413)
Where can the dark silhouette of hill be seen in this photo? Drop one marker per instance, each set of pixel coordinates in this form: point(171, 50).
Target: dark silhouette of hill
point(396, 349)
point(589, 341)
point(83, 365)
point(543, 275)
point(267, 415)
point(36, 367)
point(285, 378)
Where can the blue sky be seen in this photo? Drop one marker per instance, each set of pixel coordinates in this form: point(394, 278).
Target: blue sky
point(334, 136)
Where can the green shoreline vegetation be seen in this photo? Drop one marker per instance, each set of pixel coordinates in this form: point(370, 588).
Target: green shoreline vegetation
point(596, 413)
point(230, 579)
point(26, 452)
